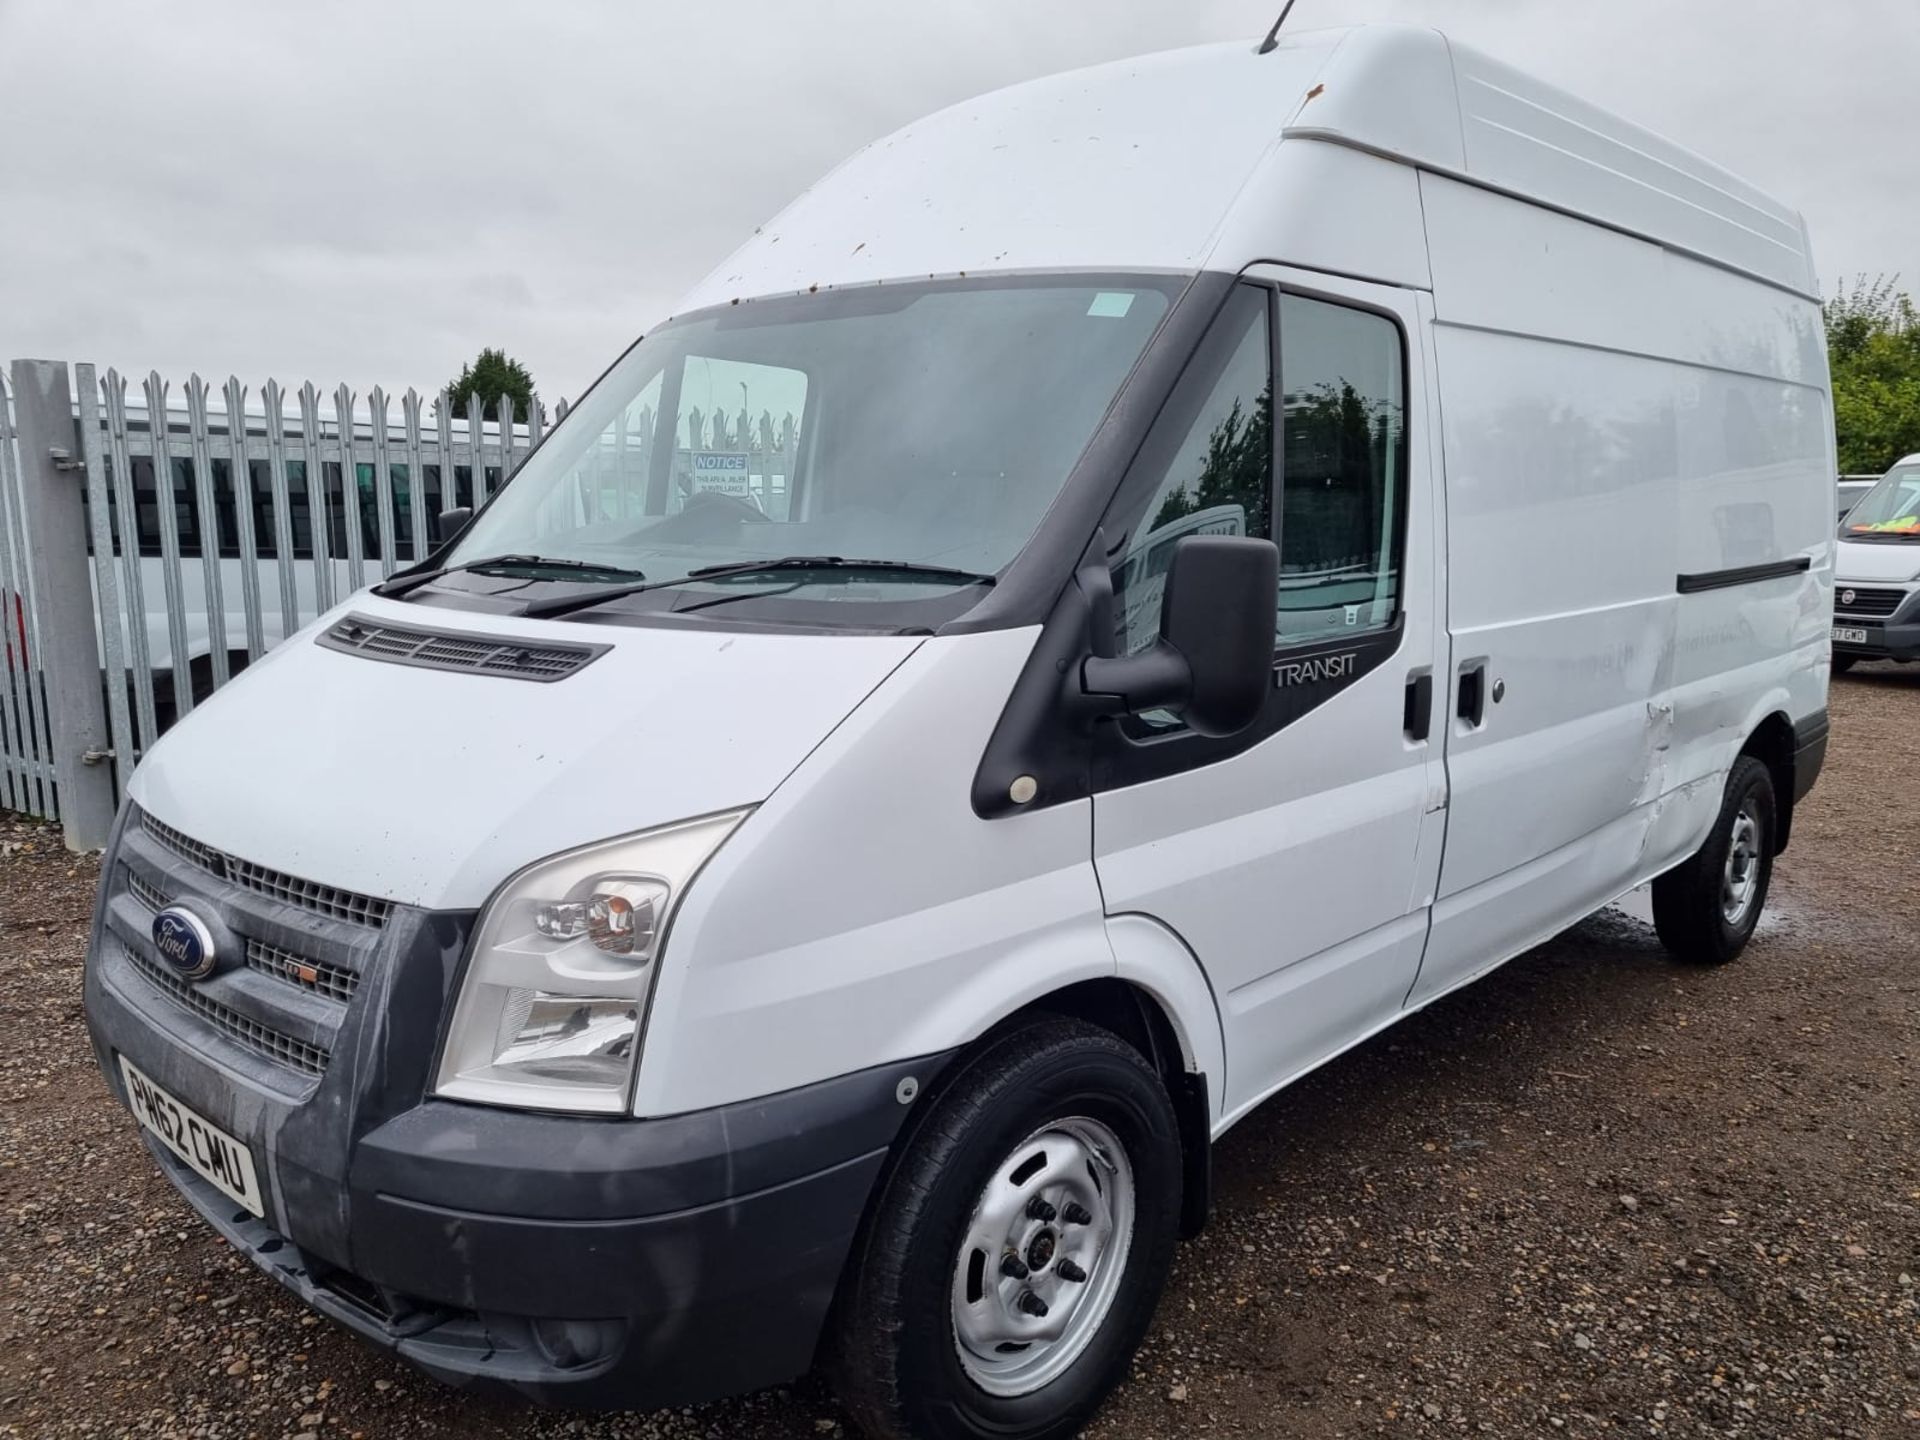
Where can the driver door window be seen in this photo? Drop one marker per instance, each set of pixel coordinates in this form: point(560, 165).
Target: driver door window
point(1342, 490)
point(1212, 449)
point(1343, 470)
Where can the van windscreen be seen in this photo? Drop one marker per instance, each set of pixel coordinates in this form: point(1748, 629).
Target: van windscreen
point(928, 426)
point(1889, 511)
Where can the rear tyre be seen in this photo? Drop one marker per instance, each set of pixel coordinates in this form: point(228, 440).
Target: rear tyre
point(1019, 1246)
point(1844, 663)
point(1705, 909)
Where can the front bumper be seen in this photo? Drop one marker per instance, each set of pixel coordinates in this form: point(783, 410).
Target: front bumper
point(598, 1307)
point(581, 1260)
point(1886, 639)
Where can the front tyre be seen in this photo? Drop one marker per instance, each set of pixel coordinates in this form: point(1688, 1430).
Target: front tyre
point(1019, 1246)
point(1705, 909)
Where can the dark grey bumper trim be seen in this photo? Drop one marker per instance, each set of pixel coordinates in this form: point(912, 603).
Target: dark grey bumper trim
point(1809, 751)
point(555, 1167)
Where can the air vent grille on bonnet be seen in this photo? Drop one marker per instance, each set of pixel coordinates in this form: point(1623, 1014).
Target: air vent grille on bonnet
point(451, 650)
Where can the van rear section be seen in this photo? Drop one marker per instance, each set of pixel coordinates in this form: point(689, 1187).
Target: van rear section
point(1214, 552)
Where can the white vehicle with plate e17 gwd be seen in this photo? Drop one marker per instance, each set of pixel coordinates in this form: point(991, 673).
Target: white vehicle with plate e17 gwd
point(1274, 534)
point(1876, 588)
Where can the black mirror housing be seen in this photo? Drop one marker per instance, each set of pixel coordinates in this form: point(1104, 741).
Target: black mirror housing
point(1217, 610)
point(449, 523)
point(1213, 662)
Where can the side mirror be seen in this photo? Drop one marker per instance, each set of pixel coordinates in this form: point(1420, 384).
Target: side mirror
point(1213, 662)
point(450, 523)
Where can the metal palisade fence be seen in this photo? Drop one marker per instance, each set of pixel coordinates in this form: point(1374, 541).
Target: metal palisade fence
point(156, 539)
point(26, 772)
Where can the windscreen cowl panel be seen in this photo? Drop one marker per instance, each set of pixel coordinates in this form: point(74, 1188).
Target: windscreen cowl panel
point(506, 656)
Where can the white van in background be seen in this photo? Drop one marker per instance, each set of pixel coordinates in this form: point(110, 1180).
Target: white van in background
point(1876, 594)
point(1273, 535)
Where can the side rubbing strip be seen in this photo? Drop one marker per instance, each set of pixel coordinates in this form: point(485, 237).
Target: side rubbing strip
point(1744, 575)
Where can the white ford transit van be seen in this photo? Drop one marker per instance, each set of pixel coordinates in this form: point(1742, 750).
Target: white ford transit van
point(1876, 601)
point(1255, 540)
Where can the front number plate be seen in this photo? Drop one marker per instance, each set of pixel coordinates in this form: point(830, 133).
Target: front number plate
point(209, 1151)
point(1846, 635)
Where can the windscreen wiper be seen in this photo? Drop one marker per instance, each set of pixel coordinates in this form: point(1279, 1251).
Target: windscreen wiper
point(838, 562)
point(393, 589)
point(567, 604)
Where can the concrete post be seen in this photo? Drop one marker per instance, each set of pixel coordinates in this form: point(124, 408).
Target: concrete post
point(52, 482)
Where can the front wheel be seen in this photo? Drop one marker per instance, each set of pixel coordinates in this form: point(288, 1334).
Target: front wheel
point(1706, 908)
point(1019, 1247)
point(1843, 663)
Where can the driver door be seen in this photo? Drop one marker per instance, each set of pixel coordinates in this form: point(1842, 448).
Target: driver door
point(1297, 861)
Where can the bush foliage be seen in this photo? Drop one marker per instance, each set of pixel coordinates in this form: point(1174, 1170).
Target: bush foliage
point(1873, 342)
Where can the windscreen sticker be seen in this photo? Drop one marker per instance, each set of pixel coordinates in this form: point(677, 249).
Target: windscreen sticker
point(1111, 304)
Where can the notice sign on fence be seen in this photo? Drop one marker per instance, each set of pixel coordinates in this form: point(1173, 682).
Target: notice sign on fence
point(721, 470)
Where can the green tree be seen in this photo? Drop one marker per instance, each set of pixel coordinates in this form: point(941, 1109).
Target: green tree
point(1873, 344)
point(493, 374)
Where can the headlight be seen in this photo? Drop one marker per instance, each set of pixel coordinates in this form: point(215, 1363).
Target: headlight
point(550, 1009)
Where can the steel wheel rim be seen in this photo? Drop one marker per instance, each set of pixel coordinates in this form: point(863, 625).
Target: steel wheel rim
point(1740, 882)
point(1024, 1214)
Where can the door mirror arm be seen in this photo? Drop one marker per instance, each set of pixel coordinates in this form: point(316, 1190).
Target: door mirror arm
point(1158, 678)
point(1106, 684)
point(1213, 661)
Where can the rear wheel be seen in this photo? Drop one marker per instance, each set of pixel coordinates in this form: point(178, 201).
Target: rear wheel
point(1705, 909)
point(1019, 1247)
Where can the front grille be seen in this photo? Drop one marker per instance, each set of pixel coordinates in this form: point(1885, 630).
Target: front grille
point(146, 893)
point(445, 650)
point(316, 975)
point(192, 851)
point(243, 1030)
point(325, 900)
point(321, 899)
point(294, 943)
point(329, 980)
point(1876, 602)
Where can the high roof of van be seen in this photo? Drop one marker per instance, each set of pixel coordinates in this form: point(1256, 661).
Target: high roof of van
point(1159, 163)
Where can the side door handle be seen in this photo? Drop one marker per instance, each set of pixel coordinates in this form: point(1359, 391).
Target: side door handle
point(1417, 715)
point(1470, 700)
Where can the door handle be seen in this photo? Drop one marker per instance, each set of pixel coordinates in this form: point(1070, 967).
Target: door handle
point(1470, 702)
point(1417, 716)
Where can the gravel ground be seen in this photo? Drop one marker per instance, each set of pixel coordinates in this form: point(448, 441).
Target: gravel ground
point(1594, 1194)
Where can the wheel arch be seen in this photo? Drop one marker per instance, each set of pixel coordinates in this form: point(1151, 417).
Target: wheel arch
point(1142, 1005)
point(1141, 1018)
point(1770, 741)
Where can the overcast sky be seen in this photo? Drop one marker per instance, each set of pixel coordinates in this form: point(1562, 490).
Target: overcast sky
point(372, 191)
